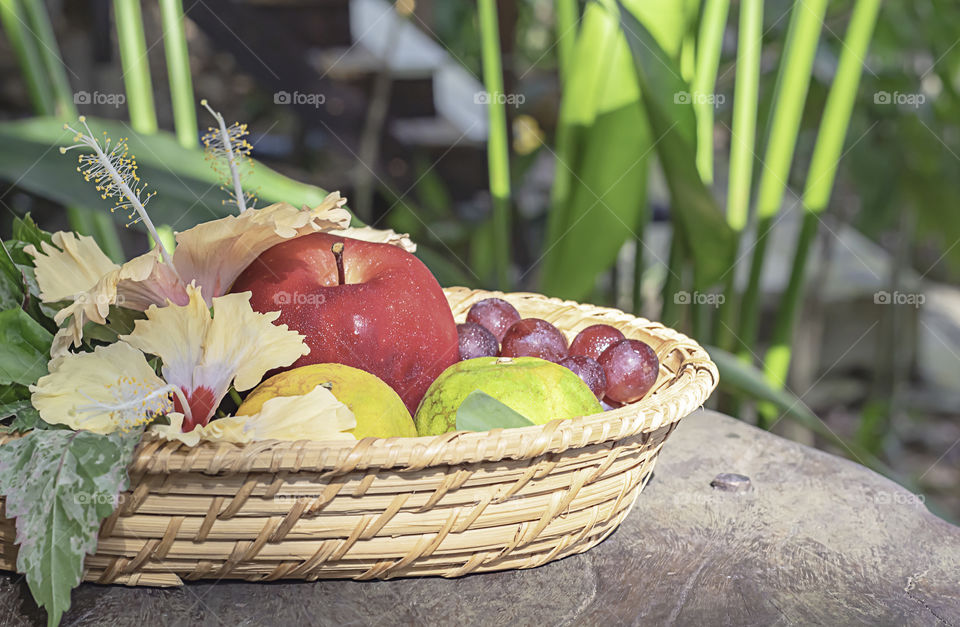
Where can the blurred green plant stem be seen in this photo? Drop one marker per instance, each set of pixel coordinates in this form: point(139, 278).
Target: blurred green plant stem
point(820, 177)
point(498, 160)
point(793, 81)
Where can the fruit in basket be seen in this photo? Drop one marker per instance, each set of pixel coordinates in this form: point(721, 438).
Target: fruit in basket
point(631, 367)
point(592, 341)
point(476, 341)
point(589, 371)
point(536, 388)
point(494, 314)
point(533, 337)
point(370, 306)
point(378, 409)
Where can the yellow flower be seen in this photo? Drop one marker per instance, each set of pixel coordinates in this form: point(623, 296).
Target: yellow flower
point(316, 415)
point(68, 267)
point(109, 389)
point(212, 254)
point(203, 354)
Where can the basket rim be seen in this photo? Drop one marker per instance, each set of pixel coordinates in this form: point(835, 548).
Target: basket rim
point(694, 380)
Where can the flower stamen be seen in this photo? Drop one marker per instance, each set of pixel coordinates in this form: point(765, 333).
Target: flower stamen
point(135, 402)
point(229, 143)
point(113, 170)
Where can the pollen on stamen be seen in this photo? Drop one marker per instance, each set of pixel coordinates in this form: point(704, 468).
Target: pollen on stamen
point(228, 151)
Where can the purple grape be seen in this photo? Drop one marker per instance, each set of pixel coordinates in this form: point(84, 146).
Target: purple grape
point(533, 337)
point(494, 314)
point(592, 341)
point(589, 371)
point(476, 341)
point(631, 368)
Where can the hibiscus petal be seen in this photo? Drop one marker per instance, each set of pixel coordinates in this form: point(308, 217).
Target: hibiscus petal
point(137, 284)
point(378, 236)
point(316, 415)
point(249, 340)
point(68, 267)
point(175, 334)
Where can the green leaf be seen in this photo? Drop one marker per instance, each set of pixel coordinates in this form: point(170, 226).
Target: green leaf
point(28, 418)
point(481, 412)
point(26, 230)
point(24, 348)
point(120, 321)
point(741, 377)
point(602, 157)
point(15, 401)
point(709, 238)
point(59, 485)
point(188, 188)
point(11, 280)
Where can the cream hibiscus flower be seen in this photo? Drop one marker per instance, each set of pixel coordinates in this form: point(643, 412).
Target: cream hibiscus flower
point(202, 354)
point(111, 389)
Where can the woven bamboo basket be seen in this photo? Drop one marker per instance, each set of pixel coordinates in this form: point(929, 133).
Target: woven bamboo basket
point(447, 505)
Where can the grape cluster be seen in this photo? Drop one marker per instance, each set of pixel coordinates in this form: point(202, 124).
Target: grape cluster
point(616, 369)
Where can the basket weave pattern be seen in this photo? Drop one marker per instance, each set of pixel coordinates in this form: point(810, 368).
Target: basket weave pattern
point(447, 505)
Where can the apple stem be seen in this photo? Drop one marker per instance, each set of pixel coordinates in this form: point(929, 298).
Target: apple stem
point(337, 250)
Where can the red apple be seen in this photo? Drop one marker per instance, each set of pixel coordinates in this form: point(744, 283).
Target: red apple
point(381, 311)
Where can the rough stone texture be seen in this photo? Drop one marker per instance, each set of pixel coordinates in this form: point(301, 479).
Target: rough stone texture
point(815, 540)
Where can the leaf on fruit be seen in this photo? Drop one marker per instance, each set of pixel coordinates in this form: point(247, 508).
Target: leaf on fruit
point(24, 348)
point(481, 412)
point(59, 485)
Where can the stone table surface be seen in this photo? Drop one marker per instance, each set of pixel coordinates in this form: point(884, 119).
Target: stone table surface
point(813, 539)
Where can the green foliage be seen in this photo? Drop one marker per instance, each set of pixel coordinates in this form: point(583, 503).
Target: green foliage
point(26, 230)
point(14, 400)
point(736, 376)
point(603, 147)
point(481, 412)
point(906, 156)
point(59, 485)
point(11, 280)
point(498, 149)
point(120, 321)
point(24, 348)
point(709, 239)
point(26, 327)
